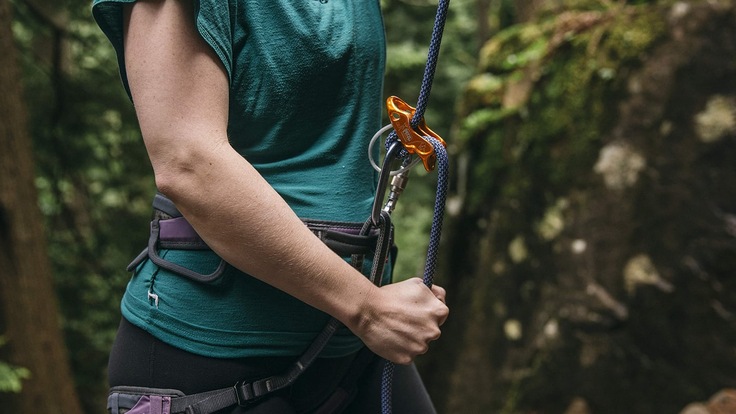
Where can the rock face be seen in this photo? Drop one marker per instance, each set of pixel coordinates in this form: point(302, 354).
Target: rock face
point(591, 257)
point(724, 402)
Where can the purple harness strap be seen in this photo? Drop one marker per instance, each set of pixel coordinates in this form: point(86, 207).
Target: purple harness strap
point(152, 404)
point(178, 230)
point(177, 233)
point(141, 400)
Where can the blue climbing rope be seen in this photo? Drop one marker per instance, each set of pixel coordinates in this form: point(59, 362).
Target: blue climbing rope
point(442, 179)
point(431, 263)
point(429, 70)
point(439, 211)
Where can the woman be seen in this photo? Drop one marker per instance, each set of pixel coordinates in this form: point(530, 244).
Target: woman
point(256, 116)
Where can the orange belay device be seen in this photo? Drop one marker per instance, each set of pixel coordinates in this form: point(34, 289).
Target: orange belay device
point(400, 114)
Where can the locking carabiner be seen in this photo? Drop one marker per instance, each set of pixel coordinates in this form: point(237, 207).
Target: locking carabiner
point(391, 156)
point(400, 114)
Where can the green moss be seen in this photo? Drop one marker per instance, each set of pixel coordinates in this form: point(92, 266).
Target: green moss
point(572, 64)
point(480, 120)
point(513, 48)
point(632, 34)
point(484, 90)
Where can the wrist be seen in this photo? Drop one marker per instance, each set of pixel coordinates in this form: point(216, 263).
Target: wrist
point(356, 310)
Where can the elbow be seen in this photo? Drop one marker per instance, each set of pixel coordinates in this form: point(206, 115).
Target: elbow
point(178, 167)
point(170, 183)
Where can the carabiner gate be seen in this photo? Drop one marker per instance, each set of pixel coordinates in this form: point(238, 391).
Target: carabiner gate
point(391, 156)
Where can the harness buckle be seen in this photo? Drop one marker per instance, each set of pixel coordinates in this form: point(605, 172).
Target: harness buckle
point(248, 392)
point(400, 114)
point(244, 393)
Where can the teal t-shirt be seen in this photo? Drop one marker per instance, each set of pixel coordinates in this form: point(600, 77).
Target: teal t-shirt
point(305, 98)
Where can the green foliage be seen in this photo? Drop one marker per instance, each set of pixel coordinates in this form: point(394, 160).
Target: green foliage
point(11, 377)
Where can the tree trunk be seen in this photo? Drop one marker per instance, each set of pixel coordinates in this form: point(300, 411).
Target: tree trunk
point(30, 318)
point(593, 253)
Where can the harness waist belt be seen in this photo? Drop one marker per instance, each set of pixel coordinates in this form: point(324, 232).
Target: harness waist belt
point(170, 230)
point(343, 238)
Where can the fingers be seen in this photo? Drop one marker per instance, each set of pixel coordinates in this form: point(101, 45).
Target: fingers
point(436, 315)
point(439, 312)
point(439, 293)
point(403, 322)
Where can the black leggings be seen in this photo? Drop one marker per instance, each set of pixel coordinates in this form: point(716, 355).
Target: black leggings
point(139, 359)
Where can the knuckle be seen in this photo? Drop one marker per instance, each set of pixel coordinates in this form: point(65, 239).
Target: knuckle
point(404, 360)
point(436, 335)
point(420, 348)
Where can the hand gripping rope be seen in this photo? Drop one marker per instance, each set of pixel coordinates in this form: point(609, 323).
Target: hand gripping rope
point(411, 136)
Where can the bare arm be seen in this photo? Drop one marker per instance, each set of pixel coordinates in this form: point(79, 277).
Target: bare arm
point(180, 90)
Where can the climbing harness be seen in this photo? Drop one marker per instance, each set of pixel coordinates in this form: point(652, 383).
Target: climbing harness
point(170, 230)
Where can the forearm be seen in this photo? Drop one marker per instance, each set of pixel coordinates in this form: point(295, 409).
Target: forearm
point(249, 225)
point(246, 222)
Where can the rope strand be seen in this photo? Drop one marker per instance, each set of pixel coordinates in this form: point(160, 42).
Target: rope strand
point(435, 234)
point(442, 179)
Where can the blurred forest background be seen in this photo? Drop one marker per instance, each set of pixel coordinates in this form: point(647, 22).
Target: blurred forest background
point(589, 250)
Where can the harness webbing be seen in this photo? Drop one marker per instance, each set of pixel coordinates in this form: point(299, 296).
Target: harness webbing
point(442, 179)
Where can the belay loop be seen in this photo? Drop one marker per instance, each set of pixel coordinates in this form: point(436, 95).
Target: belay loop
point(405, 140)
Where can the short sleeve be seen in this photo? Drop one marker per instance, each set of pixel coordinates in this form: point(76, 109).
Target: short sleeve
point(214, 20)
